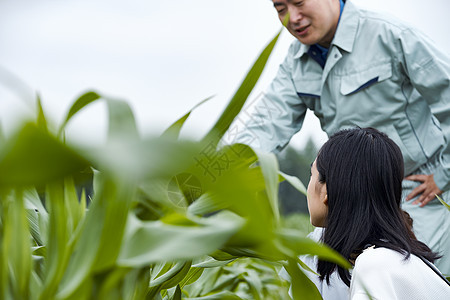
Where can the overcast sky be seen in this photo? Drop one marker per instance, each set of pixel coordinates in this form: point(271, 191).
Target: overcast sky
point(161, 56)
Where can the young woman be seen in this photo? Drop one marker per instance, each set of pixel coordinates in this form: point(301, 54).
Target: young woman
point(354, 192)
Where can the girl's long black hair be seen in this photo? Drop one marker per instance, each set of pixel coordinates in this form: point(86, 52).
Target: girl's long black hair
point(363, 170)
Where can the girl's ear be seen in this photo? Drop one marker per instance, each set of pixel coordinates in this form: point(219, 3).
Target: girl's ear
point(325, 200)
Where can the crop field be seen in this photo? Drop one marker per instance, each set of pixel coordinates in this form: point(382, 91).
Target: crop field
point(164, 218)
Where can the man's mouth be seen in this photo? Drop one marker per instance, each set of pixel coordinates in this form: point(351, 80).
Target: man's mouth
point(302, 30)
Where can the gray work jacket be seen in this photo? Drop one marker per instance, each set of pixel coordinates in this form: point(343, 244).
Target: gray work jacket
point(379, 73)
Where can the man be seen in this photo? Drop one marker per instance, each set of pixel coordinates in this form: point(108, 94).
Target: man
point(358, 68)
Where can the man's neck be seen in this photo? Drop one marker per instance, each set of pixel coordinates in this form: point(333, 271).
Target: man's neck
point(327, 42)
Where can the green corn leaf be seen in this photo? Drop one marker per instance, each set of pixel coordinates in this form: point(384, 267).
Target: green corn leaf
point(33, 201)
point(122, 123)
point(2, 135)
point(71, 204)
point(58, 249)
point(150, 242)
point(135, 286)
point(85, 251)
point(140, 161)
point(443, 202)
point(109, 287)
point(254, 281)
point(49, 159)
point(33, 221)
point(207, 204)
point(239, 98)
point(41, 120)
point(37, 216)
point(177, 294)
point(240, 190)
point(83, 204)
point(121, 119)
point(97, 247)
point(193, 275)
point(302, 287)
point(175, 128)
point(225, 295)
point(294, 181)
point(222, 255)
point(173, 276)
point(35, 285)
point(117, 200)
point(16, 245)
point(269, 167)
point(212, 263)
point(79, 104)
point(301, 245)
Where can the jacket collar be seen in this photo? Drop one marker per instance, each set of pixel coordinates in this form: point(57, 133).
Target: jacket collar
point(345, 35)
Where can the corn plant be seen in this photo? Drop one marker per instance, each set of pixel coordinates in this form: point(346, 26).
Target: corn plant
point(158, 225)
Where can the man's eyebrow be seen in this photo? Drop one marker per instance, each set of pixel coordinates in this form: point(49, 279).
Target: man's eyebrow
point(275, 4)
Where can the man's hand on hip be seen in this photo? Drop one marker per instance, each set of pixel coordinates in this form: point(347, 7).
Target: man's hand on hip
point(427, 191)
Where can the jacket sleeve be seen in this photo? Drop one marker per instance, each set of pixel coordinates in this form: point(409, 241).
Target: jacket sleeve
point(429, 71)
point(274, 117)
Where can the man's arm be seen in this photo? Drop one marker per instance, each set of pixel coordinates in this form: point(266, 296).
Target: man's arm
point(429, 71)
point(273, 118)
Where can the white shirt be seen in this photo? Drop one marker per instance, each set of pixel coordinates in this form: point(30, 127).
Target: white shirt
point(384, 274)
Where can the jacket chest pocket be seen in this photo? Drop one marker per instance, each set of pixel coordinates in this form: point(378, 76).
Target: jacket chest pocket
point(309, 91)
point(355, 82)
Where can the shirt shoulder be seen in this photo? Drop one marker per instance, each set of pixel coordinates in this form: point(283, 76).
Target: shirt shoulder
point(378, 258)
point(383, 19)
point(386, 274)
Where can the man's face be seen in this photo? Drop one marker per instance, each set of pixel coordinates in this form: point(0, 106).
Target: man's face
point(310, 21)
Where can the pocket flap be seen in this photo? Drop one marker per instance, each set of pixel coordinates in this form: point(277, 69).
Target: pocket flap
point(353, 83)
point(308, 88)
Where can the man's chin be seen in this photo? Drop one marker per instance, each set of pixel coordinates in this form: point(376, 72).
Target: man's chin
point(305, 40)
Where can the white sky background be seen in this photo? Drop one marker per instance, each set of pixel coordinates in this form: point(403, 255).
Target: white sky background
point(163, 57)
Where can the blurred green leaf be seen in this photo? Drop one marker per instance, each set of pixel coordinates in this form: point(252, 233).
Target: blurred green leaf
point(298, 221)
point(122, 124)
point(175, 128)
point(37, 216)
point(294, 181)
point(192, 276)
point(16, 246)
point(136, 284)
point(237, 102)
point(149, 242)
point(177, 295)
point(225, 295)
point(160, 209)
point(79, 104)
point(443, 202)
point(97, 247)
point(33, 157)
point(173, 276)
point(212, 263)
point(139, 161)
point(58, 250)
point(2, 135)
point(269, 167)
point(301, 245)
point(302, 287)
point(41, 120)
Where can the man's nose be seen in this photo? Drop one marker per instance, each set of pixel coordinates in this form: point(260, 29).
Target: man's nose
point(295, 15)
